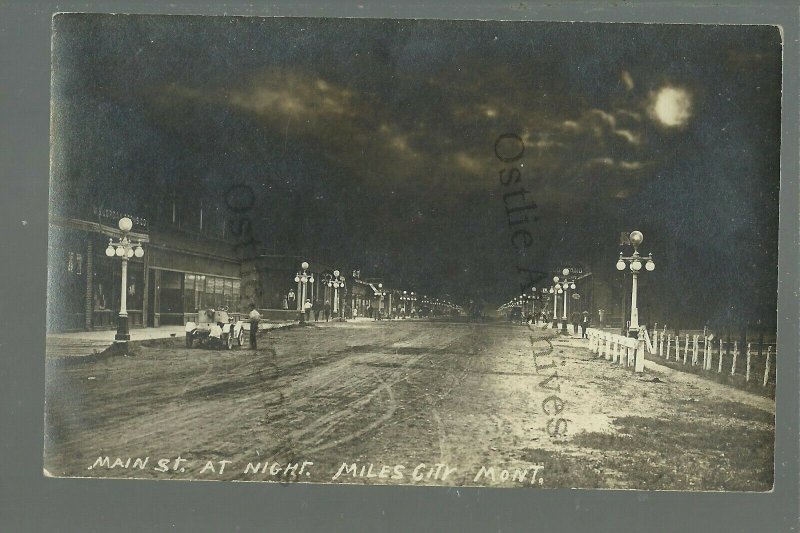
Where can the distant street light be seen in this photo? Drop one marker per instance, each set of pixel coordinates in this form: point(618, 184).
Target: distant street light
point(335, 282)
point(635, 263)
point(302, 278)
point(566, 285)
point(380, 294)
point(555, 290)
point(125, 250)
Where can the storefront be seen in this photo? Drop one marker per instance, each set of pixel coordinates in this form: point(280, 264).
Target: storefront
point(186, 275)
point(84, 285)
point(177, 296)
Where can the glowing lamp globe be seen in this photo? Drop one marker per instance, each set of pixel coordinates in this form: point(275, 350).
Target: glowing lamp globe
point(304, 265)
point(336, 273)
point(650, 266)
point(636, 238)
point(110, 251)
point(620, 265)
point(120, 251)
point(125, 224)
point(297, 279)
point(636, 266)
point(565, 272)
point(139, 252)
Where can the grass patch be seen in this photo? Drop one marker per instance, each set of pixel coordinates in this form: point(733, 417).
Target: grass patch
point(683, 454)
point(755, 385)
point(562, 470)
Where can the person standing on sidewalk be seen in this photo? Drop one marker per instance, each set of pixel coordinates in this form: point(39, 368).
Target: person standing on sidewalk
point(307, 307)
point(576, 319)
point(327, 310)
point(255, 317)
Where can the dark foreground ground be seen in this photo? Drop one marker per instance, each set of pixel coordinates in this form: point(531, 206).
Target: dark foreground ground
point(403, 402)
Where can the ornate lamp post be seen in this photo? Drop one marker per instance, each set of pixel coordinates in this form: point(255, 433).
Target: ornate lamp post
point(635, 263)
point(124, 249)
point(555, 290)
point(303, 278)
point(380, 293)
point(566, 285)
point(335, 282)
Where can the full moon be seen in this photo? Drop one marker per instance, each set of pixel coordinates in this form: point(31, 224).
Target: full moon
point(672, 106)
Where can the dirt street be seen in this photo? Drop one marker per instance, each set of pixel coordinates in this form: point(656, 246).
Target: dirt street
point(403, 402)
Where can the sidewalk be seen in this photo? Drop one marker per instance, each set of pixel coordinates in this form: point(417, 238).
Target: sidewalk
point(83, 343)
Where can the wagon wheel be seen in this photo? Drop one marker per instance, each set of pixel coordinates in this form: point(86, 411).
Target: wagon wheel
point(229, 341)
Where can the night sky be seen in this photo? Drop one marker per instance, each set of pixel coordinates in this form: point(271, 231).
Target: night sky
point(371, 142)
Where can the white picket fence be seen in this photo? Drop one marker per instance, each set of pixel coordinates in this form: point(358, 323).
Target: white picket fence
point(624, 351)
point(697, 350)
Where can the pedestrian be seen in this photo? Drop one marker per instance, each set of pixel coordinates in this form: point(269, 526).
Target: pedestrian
point(576, 319)
point(317, 309)
point(585, 322)
point(255, 317)
point(307, 307)
point(285, 304)
point(327, 310)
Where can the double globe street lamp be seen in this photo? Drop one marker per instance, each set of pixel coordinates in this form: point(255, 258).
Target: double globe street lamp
point(124, 249)
point(635, 262)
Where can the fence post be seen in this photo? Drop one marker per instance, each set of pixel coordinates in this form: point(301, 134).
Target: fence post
point(638, 355)
point(686, 349)
point(706, 362)
point(747, 371)
point(615, 356)
point(719, 369)
point(735, 355)
point(695, 350)
point(607, 345)
point(661, 345)
point(677, 347)
point(766, 368)
point(669, 344)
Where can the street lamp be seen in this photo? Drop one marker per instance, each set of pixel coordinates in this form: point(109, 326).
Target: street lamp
point(124, 249)
point(302, 278)
point(635, 262)
point(335, 282)
point(555, 290)
point(380, 294)
point(566, 285)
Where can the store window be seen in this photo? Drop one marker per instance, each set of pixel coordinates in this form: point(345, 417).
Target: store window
point(171, 297)
point(189, 295)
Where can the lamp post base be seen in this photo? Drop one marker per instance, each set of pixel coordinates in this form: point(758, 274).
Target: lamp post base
point(123, 335)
